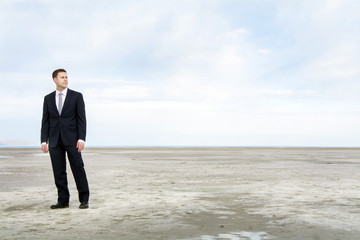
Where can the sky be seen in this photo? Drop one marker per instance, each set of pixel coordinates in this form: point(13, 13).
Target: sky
point(186, 72)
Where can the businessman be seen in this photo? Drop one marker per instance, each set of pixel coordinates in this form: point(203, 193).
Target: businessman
point(63, 131)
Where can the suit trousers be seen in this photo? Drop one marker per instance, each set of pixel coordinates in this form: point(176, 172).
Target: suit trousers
point(58, 161)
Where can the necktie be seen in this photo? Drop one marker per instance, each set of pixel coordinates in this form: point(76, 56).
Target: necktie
point(60, 102)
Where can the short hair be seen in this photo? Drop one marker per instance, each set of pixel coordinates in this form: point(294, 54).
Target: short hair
point(55, 73)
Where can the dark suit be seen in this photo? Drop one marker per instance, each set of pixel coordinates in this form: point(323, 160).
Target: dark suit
point(61, 132)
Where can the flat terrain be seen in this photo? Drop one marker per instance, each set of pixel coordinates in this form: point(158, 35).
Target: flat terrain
point(187, 193)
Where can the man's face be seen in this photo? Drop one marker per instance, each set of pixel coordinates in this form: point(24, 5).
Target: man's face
point(61, 80)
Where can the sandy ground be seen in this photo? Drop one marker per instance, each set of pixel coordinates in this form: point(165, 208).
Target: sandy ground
point(187, 193)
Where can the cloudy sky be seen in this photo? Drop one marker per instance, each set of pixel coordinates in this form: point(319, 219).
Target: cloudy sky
point(186, 72)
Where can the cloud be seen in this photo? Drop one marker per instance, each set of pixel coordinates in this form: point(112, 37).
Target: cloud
point(203, 72)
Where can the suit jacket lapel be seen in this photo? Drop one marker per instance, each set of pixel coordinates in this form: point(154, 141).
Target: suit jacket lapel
point(67, 99)
point(53, 102)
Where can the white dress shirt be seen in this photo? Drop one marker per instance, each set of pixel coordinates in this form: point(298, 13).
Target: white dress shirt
point(64, 92)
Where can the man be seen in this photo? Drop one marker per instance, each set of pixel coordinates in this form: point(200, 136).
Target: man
point(64, 129)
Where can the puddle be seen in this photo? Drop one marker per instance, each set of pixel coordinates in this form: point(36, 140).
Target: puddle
point(236, 236)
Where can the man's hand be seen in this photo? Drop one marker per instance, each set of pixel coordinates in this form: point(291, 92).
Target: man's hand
point(80, 146)
point(44, 148)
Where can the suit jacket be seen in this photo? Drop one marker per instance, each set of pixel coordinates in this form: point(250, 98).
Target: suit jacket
point(71, 124)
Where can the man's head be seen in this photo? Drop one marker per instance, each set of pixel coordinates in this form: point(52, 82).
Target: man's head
point(60, 79)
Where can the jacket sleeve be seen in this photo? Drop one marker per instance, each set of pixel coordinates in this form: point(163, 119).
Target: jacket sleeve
point(81, 118)
point(45, 123)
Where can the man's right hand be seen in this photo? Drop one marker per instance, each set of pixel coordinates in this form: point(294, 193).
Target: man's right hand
point(44, 148)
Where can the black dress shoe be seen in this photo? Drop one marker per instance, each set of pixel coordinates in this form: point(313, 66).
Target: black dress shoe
point(84, 205)
point(59, 205)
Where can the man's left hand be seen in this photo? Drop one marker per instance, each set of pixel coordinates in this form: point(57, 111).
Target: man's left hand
point(80, 146)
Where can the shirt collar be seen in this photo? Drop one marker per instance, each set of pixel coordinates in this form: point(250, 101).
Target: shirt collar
point(64, 92)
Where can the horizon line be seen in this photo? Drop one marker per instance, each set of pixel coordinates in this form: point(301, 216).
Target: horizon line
point(186, 146)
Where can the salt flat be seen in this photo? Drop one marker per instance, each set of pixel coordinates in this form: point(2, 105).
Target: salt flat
point(187, 193)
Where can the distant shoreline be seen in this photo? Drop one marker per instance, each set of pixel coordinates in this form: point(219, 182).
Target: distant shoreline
point(152, 147)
